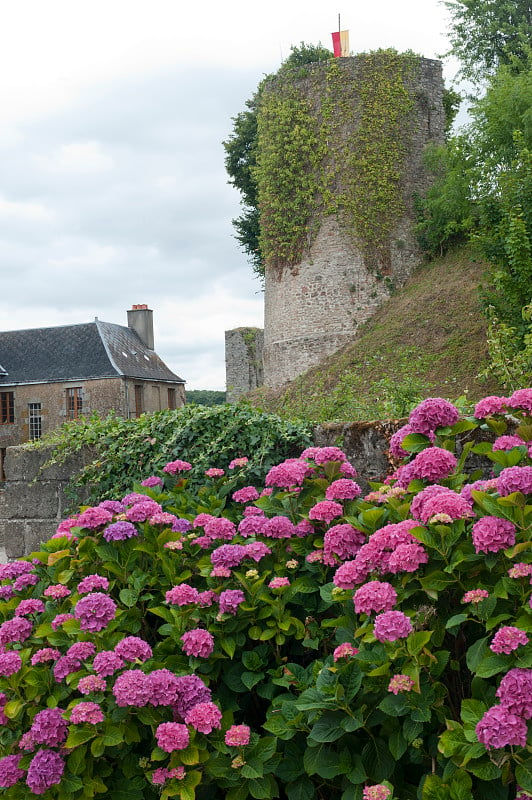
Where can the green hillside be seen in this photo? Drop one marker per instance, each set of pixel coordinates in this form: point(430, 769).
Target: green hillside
point(427, 339)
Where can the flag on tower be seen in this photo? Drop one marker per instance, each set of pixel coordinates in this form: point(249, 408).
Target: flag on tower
point(340, 43)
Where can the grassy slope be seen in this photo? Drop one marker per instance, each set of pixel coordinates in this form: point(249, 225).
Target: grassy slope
point(428, 339)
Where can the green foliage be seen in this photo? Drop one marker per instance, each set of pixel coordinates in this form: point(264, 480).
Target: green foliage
point(207, 436)
point(205, 397)
point(487, 33)
point(321, 722)
point(510, 361)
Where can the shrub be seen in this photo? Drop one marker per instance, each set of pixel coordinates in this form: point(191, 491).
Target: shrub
point(305, 644)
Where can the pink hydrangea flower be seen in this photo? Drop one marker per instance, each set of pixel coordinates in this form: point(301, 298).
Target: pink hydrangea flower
point(279, 583)
point(237, 736)
point(374, 596)
point(344, 650)
point(401, 683)
point(220, 572)
point(407, 557)
point(491, 534)
point(94, 518)
point(172, 736)
point(13, 569)
point(376, 792)
point(90, 684)
point(342, 541)
point(107, 663)
point(57, 591)
point(198, 643)
point(65, 666)
point(343, 489)
point(214, 472)
point(521, 399)
point(326, 511)
point(520, 570)
point(95, 611)
point(204, 717)
point(322, 455)
point(432, 464)
point(86, 712)
point(10, 663)
point(245, 495)
point(230, 599)
point(190, 691)
point(139, 512)
point(59, 619)
point(287, 474)
point(10, 772)
point(132, 648)
point(392, 625)
point(115, 506)
point(17, 629)
point(449, 503)
point(182, 595)
point(238, 462)
point(219, 528)
point(163, 774)
point(49, 727)
point(508, 639)
point(45, 654)
point(515, 479)
point(173, 467)
point(475, 596)
point(121, 530)
point(23, 581)
point(28, 607)
point(257, 551)
point(228, 555)
point(279, 527)
point(499, 728)
point(151, 481)
point(91, 583)
point(131, 689)
point(81, 650)
point(252, 525)
point(507, 442)
point(45, 770)
point(490, 405)
point(161, 687)
point(432, 413)
point(515, 692)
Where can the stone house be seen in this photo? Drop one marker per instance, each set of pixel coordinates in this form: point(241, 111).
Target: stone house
point(50, 375)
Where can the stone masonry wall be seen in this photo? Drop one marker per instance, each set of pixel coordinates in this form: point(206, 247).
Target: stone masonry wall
point(316, 306)
point(243, 361)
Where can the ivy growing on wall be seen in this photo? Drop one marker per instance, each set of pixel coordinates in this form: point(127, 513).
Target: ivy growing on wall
point(336, 146)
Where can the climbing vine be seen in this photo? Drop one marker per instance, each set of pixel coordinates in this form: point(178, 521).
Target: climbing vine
point(336, 148)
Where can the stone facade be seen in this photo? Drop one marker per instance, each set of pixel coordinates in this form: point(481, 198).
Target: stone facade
point(316, 306)
point(243, 361)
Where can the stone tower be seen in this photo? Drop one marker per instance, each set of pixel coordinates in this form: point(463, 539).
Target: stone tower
point(340, 164)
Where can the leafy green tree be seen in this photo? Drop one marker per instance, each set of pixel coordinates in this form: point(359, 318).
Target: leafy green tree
point(206, 397)
point(241, 156)
point(485, 34)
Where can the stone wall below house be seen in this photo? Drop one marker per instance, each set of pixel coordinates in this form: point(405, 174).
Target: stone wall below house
point(243, 361)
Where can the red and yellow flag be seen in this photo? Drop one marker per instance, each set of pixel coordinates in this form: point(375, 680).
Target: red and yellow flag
point(340, 43)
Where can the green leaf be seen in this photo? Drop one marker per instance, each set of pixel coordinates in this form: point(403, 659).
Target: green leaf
point(378, 760)
point(328, 728)
point(492, 665)
point(455, 621)
point(229, 645)
point(472, 711)
point(97, 747)
point(301, 789)
point(393, 705)
point(397, 744)
point(250, 679)
point(485, 770)
point(322, 761)
point(523, 774)
point(76, 760)
point(417, 641)
point(78, 736)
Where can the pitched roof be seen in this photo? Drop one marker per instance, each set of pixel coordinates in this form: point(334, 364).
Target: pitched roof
point(78, 352)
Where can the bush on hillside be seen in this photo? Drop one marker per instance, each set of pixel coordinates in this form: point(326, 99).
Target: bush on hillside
point(299, 642)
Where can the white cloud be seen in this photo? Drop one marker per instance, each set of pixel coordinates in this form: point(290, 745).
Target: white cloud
point(78, 158)
point(28, 211)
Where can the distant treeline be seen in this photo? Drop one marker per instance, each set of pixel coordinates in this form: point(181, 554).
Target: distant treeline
point(206, 397)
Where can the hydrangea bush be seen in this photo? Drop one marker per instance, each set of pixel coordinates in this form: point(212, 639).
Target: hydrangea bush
point(295, 640)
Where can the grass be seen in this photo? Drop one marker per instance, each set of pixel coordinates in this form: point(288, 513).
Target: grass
point(427, 339)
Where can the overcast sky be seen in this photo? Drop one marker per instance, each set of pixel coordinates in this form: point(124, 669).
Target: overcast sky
point(112, 182)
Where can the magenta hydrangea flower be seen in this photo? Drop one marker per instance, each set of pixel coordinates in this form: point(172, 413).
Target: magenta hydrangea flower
point(219, 528)
point(140, 512)
point(245, 495)
point(499, 728)
point(161, 686)
point(374, 596)
point(214, 472)
point(520, 570)
point(23, 581)
point(278, 527)
point(17, 629)
point(392, 625)
point(57, 591)
point(198, 643)
point(180, 525)
point(95, 611)
point(13, 569)
point(230, 599)
point(65, 666)
point(507, 442)
point(228, 555)
point(28, 607)
point(490, 405)
point(107, 663)
point(515, 692)
point(343, 489)
point(45, 654)
point(119, 531)
point(81, 650)
point(132, 498)
point(515, 479)
point(163, 774)
point(521, 399)
point(407, 557)
point(401, 683)
point(94, 518)
point(131, 648)
point(172, 736)
point(91, 683)
point(86, 712)
point(326, 511)
point(508, 639)
point(173, 467)
point(432, 413)
point(279, 583)
point(204, 717)
point(342, 541)
point(344, 650)
point(238, 462)
point(10, 772)
point(162, 518)
point(45, 770)
point(322, 455)
point(376, 792)
point(131, 689)
point(6, 592)
point(449, 503)
point(60, 619)
point(475, 596)
point(92, 582)
point(288, 474)
point(257, 551)
point(237, 736)
point(182, 595)
point(151, 481)
point(432, 464)
point(49, 727)
point(115, 506)
point(220, 572)
point(10, 663)
point(190, 691)
point(491, 534)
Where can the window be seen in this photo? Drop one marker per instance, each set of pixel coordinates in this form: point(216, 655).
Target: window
point(7, 408)
point(34, 421)
point(74, 402)
point(171, 398)
point(138, 400)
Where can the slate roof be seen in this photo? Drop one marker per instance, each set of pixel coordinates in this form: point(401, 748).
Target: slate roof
point(78, 352)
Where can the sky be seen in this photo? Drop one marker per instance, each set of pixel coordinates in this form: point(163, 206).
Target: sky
point(113, 189)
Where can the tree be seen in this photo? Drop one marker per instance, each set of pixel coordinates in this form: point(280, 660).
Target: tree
point(487, 33)
point(241, 155)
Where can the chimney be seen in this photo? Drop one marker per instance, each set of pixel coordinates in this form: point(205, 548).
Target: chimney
point(140, 319)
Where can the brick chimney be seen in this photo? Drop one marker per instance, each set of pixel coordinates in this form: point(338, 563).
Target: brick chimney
point(140, 319)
